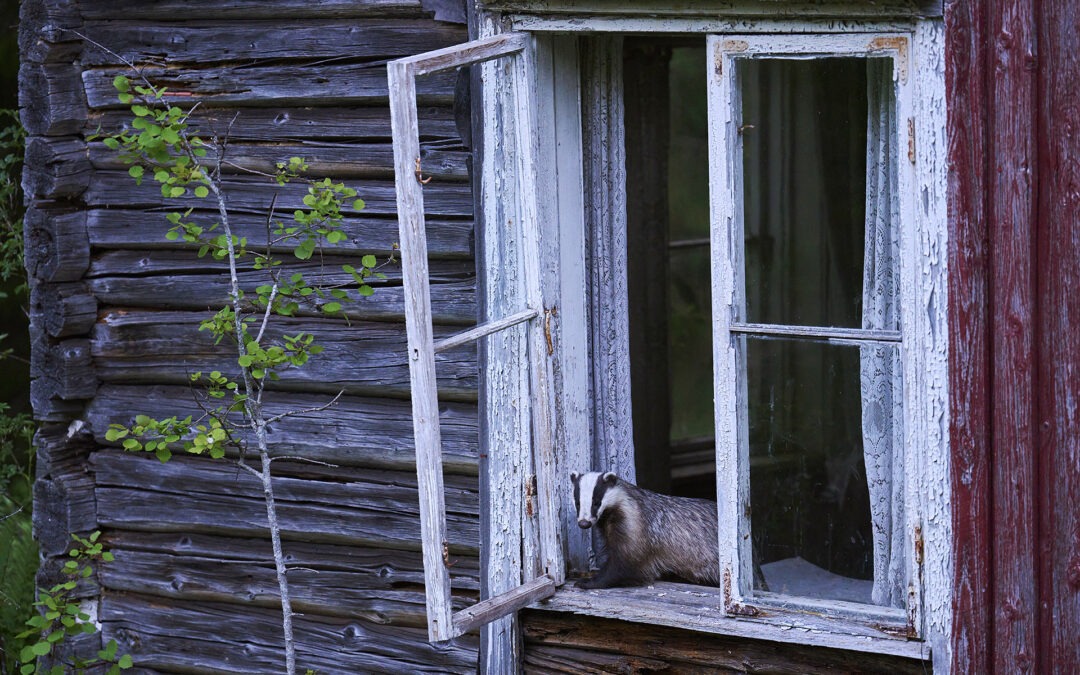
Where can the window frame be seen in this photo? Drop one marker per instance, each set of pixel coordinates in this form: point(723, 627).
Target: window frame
point(730, 376)
point(562, 211)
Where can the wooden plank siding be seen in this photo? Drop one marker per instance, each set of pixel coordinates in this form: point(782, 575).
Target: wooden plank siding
point(1014, 237)
point(116, 309)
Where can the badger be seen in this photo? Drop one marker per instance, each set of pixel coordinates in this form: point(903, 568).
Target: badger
point(646, 535)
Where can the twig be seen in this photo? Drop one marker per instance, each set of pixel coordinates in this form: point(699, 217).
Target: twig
point(320, 408)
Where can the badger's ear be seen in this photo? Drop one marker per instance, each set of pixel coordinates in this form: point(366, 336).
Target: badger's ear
point(610, 478)
point(574, 476)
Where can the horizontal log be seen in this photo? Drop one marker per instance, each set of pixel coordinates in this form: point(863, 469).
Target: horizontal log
point(56, 168)
point(48, 407)
point(56, 244)
point(340, 161)
point(254, 195)
point(52, 99)
point(181, 280)
point(284, 84)
point(250, 9)
point(689, 651)
point(314, 592)
point(206, 637)
point(43, 34)
point(209, 41)
point(190, 494)
point(275, 124)
point(66, 309)
point(364, 358)
point(108, 228)
point(375, 568)
point(356, 432)
point(62, 449)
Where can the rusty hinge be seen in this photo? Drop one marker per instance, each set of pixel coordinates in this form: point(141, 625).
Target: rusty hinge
point(918, 545)
point(530, 493)
point(911, 139)
point(548, 313)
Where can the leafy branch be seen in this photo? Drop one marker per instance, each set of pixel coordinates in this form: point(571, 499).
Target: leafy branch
point(162, 145)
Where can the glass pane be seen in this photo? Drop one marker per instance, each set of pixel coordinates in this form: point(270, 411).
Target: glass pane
point(804, 133)
point(689, 301)
point(819, 418)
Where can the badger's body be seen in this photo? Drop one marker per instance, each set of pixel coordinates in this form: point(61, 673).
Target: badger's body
point(647, 535)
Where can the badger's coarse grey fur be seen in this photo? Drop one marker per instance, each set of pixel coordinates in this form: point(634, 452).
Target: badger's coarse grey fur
point(647, 535)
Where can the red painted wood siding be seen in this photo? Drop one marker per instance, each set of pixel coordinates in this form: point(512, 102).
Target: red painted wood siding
point(1012, 75)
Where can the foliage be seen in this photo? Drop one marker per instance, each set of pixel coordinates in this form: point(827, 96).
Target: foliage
point(18, 551)
point(61, 616)
point(11, 207)
point(162, 145)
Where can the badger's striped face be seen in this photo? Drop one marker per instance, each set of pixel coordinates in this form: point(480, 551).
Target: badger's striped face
point(592, 495)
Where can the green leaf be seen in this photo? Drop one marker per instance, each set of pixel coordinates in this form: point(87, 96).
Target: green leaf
point(121, 83)
point(245, 361)
point(41, 648)
point(358, 205)
point(140, 110)
point(369, 261)
point(366, 290)
point(135, 172)
point(201, 191)
point(331, 307)
point(176, 191)
point(111, 143)
point(125, 662)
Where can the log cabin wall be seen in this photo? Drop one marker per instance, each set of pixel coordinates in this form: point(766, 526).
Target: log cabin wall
point(115, 315)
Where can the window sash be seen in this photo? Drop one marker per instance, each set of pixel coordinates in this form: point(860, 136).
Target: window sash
point(730, 382)
point(443, 624)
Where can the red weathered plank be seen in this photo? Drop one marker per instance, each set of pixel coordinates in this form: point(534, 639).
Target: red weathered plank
point(969, 344)
point(1012, 218)
point(1058, 374)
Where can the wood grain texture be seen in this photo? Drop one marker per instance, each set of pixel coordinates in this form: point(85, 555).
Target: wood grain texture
point(173, 636)
point(966, 72)
point(160, 347)
point(112, 189)
point(191, 494)
point(355, 432)
point(573, 644)
point(133, 229)
point(1058, 317)
point(180, 280)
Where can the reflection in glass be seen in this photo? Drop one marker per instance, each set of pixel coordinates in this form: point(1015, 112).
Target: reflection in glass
point(812, 520)
point(804, 136)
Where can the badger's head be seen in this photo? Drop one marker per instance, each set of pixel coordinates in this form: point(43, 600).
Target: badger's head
point(593, 495)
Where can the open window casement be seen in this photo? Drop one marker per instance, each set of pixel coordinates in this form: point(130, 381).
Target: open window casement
point(543, 566)
point(796, 360)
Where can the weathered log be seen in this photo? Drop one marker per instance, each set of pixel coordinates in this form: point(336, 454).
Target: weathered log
point(55, 168)
point(56, 245)
point(687, 651)
point(379, 568)
point(146, 230)
point(278, 85)
point(203, 637)
point(274, 124)
point(340, 593)
point(65, 309)
point(181, 280)
point(169, 10)
point(58, 104)
point(357, 432)
point(365, 358)
point(254, 194)
point(59, 370)
point(63, 505)
point(340, 161)
point(62, 449)
point(190, 494)
point(43, 31)
point(309, 38)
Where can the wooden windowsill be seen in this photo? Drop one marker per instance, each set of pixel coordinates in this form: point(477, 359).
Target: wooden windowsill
point(701, 608)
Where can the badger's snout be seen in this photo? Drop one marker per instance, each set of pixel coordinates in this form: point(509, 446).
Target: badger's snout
point(584, 524)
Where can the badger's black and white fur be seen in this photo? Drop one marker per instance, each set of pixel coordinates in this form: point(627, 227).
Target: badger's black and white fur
point(647, 535)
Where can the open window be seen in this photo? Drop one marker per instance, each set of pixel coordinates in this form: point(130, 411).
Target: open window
point(702, 274)
point(532, 445)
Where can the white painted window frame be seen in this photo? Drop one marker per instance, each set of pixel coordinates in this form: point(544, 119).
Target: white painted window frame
point(564, 242)
point(730, 376)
